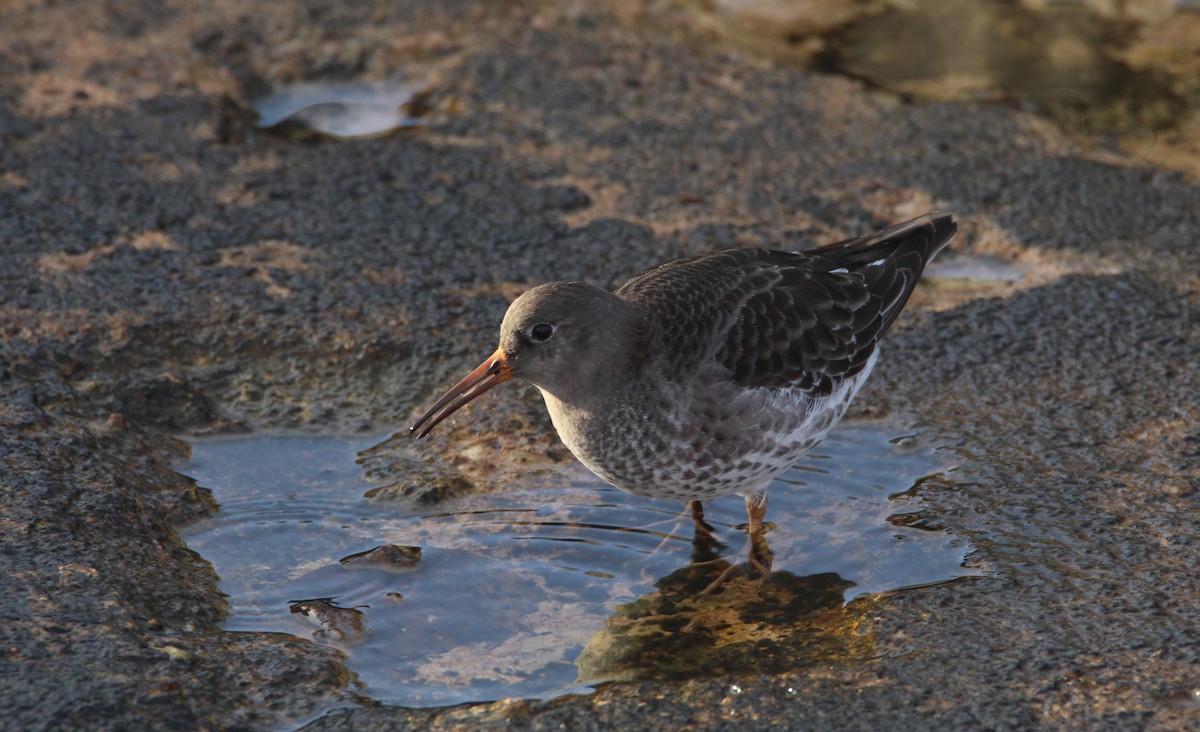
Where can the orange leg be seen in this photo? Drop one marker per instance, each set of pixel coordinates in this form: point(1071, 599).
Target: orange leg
point(756, 508)
point(704, 536)
point(759, 553)
point(705, 544)
point(704, 530)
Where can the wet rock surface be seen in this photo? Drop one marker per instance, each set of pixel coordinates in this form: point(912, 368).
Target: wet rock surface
point(162, 260)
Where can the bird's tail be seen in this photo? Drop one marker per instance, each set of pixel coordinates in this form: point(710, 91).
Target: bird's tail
point(923, 236)
point(892, 260)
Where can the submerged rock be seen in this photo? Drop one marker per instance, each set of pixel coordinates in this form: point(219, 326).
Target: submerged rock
point(387, 556)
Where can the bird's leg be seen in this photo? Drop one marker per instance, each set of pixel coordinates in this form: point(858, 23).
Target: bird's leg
point(704, 537)
point(705, 544)
point(760, 553)
point(704, 531)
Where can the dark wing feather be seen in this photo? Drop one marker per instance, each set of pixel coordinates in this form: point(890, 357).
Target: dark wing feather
point(805, 321)
point(821, 316)
point(797, 324)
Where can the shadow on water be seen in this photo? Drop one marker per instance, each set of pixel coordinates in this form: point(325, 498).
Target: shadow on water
point(536, 592)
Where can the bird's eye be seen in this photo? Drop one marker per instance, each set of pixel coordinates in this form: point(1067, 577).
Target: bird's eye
point(541, 332)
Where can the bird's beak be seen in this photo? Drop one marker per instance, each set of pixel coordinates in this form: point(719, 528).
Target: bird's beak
point(493, 371)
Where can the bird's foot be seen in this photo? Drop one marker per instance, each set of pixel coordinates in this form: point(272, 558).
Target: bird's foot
point(759, 558)
point(705, 544)
point(766, 527)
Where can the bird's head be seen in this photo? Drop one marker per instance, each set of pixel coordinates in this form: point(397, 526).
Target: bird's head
point(566, 338)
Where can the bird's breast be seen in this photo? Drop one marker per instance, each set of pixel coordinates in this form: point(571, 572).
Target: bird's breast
point(696, 443)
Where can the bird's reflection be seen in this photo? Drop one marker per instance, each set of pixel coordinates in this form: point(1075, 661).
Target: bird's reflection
point(725, 616)
point(679, 631)
point(723, 612)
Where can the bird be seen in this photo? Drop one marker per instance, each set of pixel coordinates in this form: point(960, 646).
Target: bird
point(709, 375)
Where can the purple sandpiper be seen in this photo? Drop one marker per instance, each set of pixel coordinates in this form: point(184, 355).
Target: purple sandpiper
point(709, 375)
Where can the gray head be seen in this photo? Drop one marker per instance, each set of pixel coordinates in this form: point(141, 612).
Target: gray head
point(564, 335)
point(565, 338)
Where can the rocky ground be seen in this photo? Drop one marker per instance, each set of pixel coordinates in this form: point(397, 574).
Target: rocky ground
point(168, 269)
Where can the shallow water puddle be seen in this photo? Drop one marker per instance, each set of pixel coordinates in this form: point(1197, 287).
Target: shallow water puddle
point(535, 592)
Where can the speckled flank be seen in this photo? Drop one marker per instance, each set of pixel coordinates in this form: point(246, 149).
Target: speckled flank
point(707, 443)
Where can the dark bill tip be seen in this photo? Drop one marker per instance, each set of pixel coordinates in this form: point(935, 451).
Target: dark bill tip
point(493, 371)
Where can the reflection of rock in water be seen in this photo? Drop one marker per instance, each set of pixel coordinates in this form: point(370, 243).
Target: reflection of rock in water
point(750, 625)
point(335, 624)
point(1064, 57)
point(387, 556)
